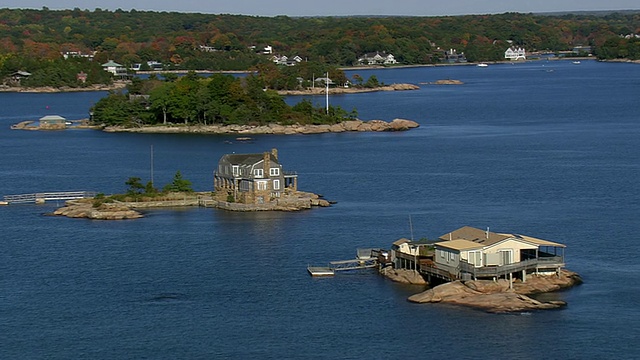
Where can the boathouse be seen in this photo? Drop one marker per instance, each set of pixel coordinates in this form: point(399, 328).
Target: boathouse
point(252, 178)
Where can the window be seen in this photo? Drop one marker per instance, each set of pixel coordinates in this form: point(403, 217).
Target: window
point(236, 171)
point(262, 185)
point(276, 184)
point(274, 172)
point(258, 173)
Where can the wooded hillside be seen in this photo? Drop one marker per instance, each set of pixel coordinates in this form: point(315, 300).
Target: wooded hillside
point(226, 42)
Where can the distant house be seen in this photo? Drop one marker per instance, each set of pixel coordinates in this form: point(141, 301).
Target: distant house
point(582, 50)
point(19, 75)
point(324, 81)
point(252, 178)
point(81, 77)
point(114, 68)
point(515, 53)
point(77, 54)
point(452, 56)
point(52, 122)
point(284, 60)
point(150, 65)
point(377, 58)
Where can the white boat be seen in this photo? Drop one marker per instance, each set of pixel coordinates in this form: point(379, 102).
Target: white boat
point(482, 65)
point(576, 62)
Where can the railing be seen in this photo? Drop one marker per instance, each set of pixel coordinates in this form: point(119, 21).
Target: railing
point(35, 197)
point(485, 271)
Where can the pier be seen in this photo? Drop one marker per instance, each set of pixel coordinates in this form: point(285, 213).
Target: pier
point(365, 259)
point(39, 198)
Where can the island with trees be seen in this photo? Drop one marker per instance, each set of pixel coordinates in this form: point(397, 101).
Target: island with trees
point(225, 104)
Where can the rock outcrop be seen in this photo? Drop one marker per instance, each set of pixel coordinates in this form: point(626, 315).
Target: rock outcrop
point(106, 211)
point(497, 296)
point(277, 129)
point(289, 201)
point(403, 276)
point(349, 90)
point(84, 208)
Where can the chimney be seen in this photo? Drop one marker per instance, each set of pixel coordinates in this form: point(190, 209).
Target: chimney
point(267, 163)
point(274, 152)
point(487, 233)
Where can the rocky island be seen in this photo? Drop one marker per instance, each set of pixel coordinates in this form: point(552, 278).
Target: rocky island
point(491, 283)
point(122, 210)
point(497, 296)
point(349, 90)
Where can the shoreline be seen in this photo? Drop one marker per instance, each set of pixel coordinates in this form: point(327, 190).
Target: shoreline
point(127, 210)
point(497, 296)
point(274, 129)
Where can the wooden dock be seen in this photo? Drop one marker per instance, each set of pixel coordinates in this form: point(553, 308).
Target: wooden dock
point(365, 259)
point(39, 198)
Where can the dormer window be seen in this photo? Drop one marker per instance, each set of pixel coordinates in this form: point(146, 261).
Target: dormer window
point(258, 173)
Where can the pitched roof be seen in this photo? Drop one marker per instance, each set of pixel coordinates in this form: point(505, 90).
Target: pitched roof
point(52, 118)
point(401, 241)
point(459, 244)
point(246, 159)
point(476, 235)
point(536, 241)
point(111, 63)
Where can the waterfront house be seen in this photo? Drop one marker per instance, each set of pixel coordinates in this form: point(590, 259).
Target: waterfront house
point(114, 68)
point(515, 53)
point(474, 253)
point(52, 122)
point(452, 56)
point(17, 76)
point(252, 178)
point(377, 58)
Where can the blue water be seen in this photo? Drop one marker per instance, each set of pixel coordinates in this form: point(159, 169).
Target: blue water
point(547, 149)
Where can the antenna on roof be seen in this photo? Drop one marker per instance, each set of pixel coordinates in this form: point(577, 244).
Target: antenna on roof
point(411, 227)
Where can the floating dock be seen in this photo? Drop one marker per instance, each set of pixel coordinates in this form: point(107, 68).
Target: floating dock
point(365, 259)
point(320, 271)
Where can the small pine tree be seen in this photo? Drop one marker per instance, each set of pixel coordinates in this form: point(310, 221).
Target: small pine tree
point(179, 184)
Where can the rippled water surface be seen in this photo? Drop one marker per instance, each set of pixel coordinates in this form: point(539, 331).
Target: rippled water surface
point(547, 149)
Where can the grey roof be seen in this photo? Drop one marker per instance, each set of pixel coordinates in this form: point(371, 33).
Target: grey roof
point(246, 159)
point(52, 118)
point(111, 63)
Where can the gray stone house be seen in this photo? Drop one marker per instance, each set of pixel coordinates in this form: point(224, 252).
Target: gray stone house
point(252, 178)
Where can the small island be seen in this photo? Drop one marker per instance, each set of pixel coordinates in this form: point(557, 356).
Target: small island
point(242, 182)
point(495, 272)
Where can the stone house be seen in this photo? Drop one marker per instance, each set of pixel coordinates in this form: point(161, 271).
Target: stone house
point(252, 178)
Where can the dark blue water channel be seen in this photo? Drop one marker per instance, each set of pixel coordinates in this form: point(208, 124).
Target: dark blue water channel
point(547, 149)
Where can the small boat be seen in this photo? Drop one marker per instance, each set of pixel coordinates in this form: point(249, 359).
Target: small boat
point(576, 62)
point(482, 65)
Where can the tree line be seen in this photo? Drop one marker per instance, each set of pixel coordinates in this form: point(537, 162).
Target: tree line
point(234, 42)
point(217, 99)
